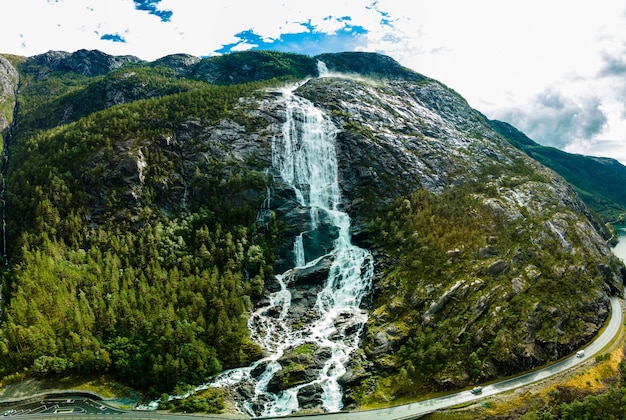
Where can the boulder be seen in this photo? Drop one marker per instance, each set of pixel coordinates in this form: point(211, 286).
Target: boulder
point(310, 396)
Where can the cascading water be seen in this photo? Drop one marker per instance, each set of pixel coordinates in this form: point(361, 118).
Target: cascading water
point(304, 159)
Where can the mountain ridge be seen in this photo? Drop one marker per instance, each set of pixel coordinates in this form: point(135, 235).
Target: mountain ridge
point(607, 198)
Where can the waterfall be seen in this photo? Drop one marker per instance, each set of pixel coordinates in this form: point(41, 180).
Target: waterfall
point(322, 70)
point(304, 159)
point(298, 251)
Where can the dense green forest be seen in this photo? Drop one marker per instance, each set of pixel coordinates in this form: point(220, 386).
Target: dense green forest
point(123, 276)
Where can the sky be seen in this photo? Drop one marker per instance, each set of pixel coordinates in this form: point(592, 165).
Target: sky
point(555, 69)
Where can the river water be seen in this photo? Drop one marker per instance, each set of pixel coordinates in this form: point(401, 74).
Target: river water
point(620, 248)
point(304, 158)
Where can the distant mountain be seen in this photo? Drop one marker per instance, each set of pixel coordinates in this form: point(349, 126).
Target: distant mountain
point(83, 62)
point(599, 181)
point(148, 215)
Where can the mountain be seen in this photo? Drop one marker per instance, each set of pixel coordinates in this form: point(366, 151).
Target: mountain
point(598, 181)
point(154, 209)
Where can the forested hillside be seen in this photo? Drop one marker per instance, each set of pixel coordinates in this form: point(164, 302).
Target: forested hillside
point(123, 257)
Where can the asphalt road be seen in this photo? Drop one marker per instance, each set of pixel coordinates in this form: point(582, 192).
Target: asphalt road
point(60, 406)
point(86, 409)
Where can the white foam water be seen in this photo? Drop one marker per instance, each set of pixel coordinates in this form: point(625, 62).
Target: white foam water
point(304, 158)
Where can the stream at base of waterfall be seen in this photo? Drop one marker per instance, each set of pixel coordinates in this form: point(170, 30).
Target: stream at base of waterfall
point(304, 160)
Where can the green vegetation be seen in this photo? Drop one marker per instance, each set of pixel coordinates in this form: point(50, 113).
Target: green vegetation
point(249, 66)
point(130, 255)
point(207, 401)
point(452, 299)
point(63, 97)
point(368, 64)
point(134, 250)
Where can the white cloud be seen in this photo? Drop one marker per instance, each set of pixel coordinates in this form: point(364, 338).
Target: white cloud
point(598, 147)
point(501, 56)
point(558, 120)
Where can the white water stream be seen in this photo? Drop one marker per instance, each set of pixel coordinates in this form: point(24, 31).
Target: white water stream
point(304, 158)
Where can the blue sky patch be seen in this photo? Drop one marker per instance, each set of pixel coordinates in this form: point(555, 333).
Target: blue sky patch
point(151, 6)
point(309, 43)
point(113, 37)
point(385, 16)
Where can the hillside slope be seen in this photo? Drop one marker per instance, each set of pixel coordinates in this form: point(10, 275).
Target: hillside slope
point(480, 249)
point(146, 220)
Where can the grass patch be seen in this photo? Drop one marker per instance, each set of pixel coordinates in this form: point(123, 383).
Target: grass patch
point(306, 348)
point(103, 386)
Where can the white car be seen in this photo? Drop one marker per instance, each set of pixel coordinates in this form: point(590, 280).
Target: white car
point(580, 353)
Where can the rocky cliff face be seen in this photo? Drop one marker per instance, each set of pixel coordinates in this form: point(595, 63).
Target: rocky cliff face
point(529, 285)
point(9, 79)
point(83, 62)
point(488, 297)
point(423, 135)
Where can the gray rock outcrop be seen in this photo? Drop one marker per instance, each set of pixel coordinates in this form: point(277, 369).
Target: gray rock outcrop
point(9, 79)
point(85, 62)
